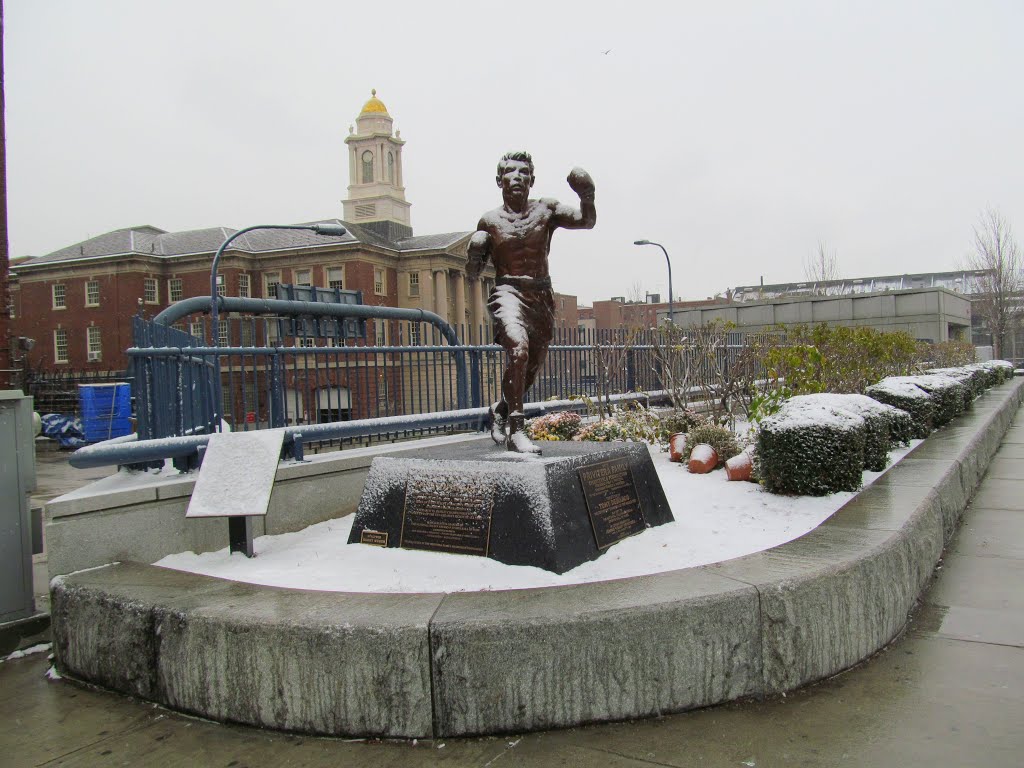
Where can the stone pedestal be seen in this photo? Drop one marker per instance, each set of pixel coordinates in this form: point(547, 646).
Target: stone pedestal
point(554, 512)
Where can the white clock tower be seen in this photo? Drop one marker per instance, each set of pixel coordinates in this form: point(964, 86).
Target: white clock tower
point(376, 193)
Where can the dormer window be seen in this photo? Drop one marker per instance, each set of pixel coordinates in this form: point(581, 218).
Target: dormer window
point(367, 167)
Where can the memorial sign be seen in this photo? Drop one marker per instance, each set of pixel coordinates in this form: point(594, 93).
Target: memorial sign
point(444, 513)
point(373, 538)
point(612, 501)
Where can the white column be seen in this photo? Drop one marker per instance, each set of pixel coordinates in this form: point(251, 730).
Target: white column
point(441, 293)
point(477, 308)
point(460, 300)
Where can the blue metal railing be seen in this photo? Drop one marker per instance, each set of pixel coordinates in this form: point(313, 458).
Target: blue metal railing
point(403, 377)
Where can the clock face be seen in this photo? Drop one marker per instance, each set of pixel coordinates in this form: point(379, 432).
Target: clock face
point(367, 156)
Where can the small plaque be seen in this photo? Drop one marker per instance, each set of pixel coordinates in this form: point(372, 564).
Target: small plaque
point(373, 538)
point(612, 501)
point(444, 513)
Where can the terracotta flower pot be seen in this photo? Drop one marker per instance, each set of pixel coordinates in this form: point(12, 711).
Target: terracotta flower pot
point(676, 446)
point(703, 458)
point(739, 467)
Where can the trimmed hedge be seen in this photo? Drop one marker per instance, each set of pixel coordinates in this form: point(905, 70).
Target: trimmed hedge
point(900, 393)
point(811, 449)
point(975, 379)
point(877, 437)
point(901, 426)
point(948, 395)
point(1003, 369)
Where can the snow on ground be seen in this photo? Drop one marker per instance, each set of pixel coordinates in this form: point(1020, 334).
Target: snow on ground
point(715, 520)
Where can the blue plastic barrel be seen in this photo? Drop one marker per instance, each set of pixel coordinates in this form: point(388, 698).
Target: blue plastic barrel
point(106, 410)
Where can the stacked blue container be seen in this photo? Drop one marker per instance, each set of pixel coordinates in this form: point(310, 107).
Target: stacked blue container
point(106, 410)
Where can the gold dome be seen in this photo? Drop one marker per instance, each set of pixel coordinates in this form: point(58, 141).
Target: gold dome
point(374, 105)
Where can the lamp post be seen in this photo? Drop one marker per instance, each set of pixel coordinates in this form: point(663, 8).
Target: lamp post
point(667, 261)
point(327, 230)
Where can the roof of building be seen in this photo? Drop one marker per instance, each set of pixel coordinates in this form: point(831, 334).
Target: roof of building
point(152, 241)
point(959, 281)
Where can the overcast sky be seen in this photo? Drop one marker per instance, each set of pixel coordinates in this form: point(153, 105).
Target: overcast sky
point(737, 134)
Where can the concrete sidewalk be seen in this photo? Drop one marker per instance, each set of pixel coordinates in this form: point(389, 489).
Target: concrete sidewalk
point(949, 692)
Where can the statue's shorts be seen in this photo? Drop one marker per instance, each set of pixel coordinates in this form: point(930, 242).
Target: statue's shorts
point(523, 309)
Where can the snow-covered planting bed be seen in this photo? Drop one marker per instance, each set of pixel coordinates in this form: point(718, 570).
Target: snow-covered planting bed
point(715, 520)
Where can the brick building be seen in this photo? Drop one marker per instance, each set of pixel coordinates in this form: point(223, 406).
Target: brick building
point(77, 303)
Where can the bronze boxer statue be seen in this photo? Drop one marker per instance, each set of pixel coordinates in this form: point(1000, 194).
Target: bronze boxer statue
point(517, 239)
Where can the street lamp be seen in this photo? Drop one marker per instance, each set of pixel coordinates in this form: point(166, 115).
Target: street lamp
point(648, 242)
point(327, 230)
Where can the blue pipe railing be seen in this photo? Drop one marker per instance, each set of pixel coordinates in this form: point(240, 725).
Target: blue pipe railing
point(186, 449)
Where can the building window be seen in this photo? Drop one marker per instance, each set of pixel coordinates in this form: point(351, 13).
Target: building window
point(60, 345)
point(336, 277)
point(246, 333)
point(391, 167)
point(60, 298)
point(306, 341)
point(414, 283)
point(378, 282)
point(243, 286)
point(303, 277)
point(367, 167)
point(94, 343)
point(195, 328)
point(92, 293)
point(380, 332)
point(222, 333)
point(222, 287)
point(270, 281)
point(150, 292)
point(174, 289)
point(414, 334)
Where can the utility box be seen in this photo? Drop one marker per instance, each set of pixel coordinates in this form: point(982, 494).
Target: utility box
point(17, 481)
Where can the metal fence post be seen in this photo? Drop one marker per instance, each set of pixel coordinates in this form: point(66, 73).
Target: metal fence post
point(276, 392)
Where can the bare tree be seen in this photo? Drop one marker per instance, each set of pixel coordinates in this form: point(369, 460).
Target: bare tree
point(822, 267)
point(997, 257)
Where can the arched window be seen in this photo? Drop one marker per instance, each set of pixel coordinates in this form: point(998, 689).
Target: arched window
point(391, 167)
point(367, 167)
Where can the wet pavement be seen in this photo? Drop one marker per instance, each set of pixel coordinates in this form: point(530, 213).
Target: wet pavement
point(948, 692)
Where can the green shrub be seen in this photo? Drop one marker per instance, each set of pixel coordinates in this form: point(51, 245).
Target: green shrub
point(720, 438)
point(554, 426)
point(877, 434)
point(680, 420)
point(811, 450)
point(602, 431)
point(954, 352)
point(901, 426)
point(839, 359)
point(1003, 369)
point(974, 379)
point(948, 395)
point(900, 393)
point(989, 376)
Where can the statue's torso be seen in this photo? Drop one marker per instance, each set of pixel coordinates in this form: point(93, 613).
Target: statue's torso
point(520, 241)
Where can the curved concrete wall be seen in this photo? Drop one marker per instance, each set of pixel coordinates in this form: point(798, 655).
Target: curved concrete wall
point(468, 663)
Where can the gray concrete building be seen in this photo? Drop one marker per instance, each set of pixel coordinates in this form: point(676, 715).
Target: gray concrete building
point(927, 314)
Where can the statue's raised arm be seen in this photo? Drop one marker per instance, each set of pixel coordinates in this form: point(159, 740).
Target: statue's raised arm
point(585, 217)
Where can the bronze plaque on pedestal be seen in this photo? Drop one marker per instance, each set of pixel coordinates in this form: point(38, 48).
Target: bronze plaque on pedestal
point(373, 538)
point(444, 513)
point(612, 501)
